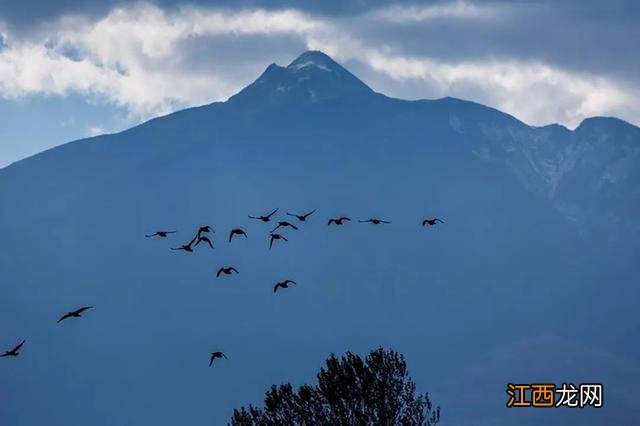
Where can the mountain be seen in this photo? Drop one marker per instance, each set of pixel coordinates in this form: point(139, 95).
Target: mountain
point(312, 77)
point(531, 278)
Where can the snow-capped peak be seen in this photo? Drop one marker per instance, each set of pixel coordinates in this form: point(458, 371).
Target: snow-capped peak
point(317, 59)
point(311, 77)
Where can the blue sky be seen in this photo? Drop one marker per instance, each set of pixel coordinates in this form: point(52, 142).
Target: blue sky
point(71, 69)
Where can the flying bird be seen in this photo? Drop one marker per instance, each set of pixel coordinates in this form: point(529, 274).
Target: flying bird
point(275, 237)
point(302, 217)
point(205, 229)
point(338, 220)
point(186, 247)
point(266, 218)
point(237, 231)
point(161, 234)
point(374, 221)
point(74, 314)
point(215, 355)
point(284, 224)
point(227, 270)
point(204, 240)
point(13, 352)
point(283, 284)
point(431, 222)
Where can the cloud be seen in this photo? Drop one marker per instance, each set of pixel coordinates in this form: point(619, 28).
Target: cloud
point(453, 10)
point(535, 92)
point(95, 130)
point(151, 61)
point(134, 57)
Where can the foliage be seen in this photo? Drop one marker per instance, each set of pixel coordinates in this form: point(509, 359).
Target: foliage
point(350, 391)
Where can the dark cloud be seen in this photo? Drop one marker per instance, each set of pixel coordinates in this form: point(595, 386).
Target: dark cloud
point(578, 56)
point(28, 12)
point(591, 36)
point(581, 36)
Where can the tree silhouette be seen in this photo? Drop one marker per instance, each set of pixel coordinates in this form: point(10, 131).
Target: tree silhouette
point(350, 391)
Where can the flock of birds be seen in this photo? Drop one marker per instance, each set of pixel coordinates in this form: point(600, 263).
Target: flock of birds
point(202, 238)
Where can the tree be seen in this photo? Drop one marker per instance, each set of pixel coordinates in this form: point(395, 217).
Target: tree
point(350, 391)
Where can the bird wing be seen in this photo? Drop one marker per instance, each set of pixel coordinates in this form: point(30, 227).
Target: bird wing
point(151, 235)
point(272, 213)
point(234, 270)
point(293, 226)
point(219, 272)
point(231, 235)
point(276, 228)
point(441, 221)
point(309, 214)
point(17, 348)
point(276, 287)
point(211, 360)
point(424, 222)
point(84, 308)
point(331, 221)
point(283, 237)
point(193, 240)
point(206, 240)
point(64, 317)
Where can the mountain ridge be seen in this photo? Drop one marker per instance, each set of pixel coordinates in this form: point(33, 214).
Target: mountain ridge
point(544, 160)
point(361, 88)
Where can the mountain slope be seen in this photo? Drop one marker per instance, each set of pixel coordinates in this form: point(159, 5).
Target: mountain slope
point(523, 235)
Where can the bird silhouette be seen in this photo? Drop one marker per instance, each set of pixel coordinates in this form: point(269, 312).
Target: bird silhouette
point(284, 224)
point(74, 314)
point(205, 229)
point(227, 270)
point(275, 237)
point(374, 221)
point(161, 234)
point(266, 218)
point(338, 220)
point(283, 284)
point(13, 352)
point(186, 247)
point(237, 231)
point(215, 355)
point(431, 222)
point(204, 240)
point(302, 217)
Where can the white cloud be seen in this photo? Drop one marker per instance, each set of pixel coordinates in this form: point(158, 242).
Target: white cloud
point(142, 58)
point(534, 92)
point(95, 130)
point(452, 10)
point(133, 57)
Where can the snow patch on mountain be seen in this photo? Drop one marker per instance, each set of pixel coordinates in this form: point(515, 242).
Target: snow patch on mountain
point(311, 64)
